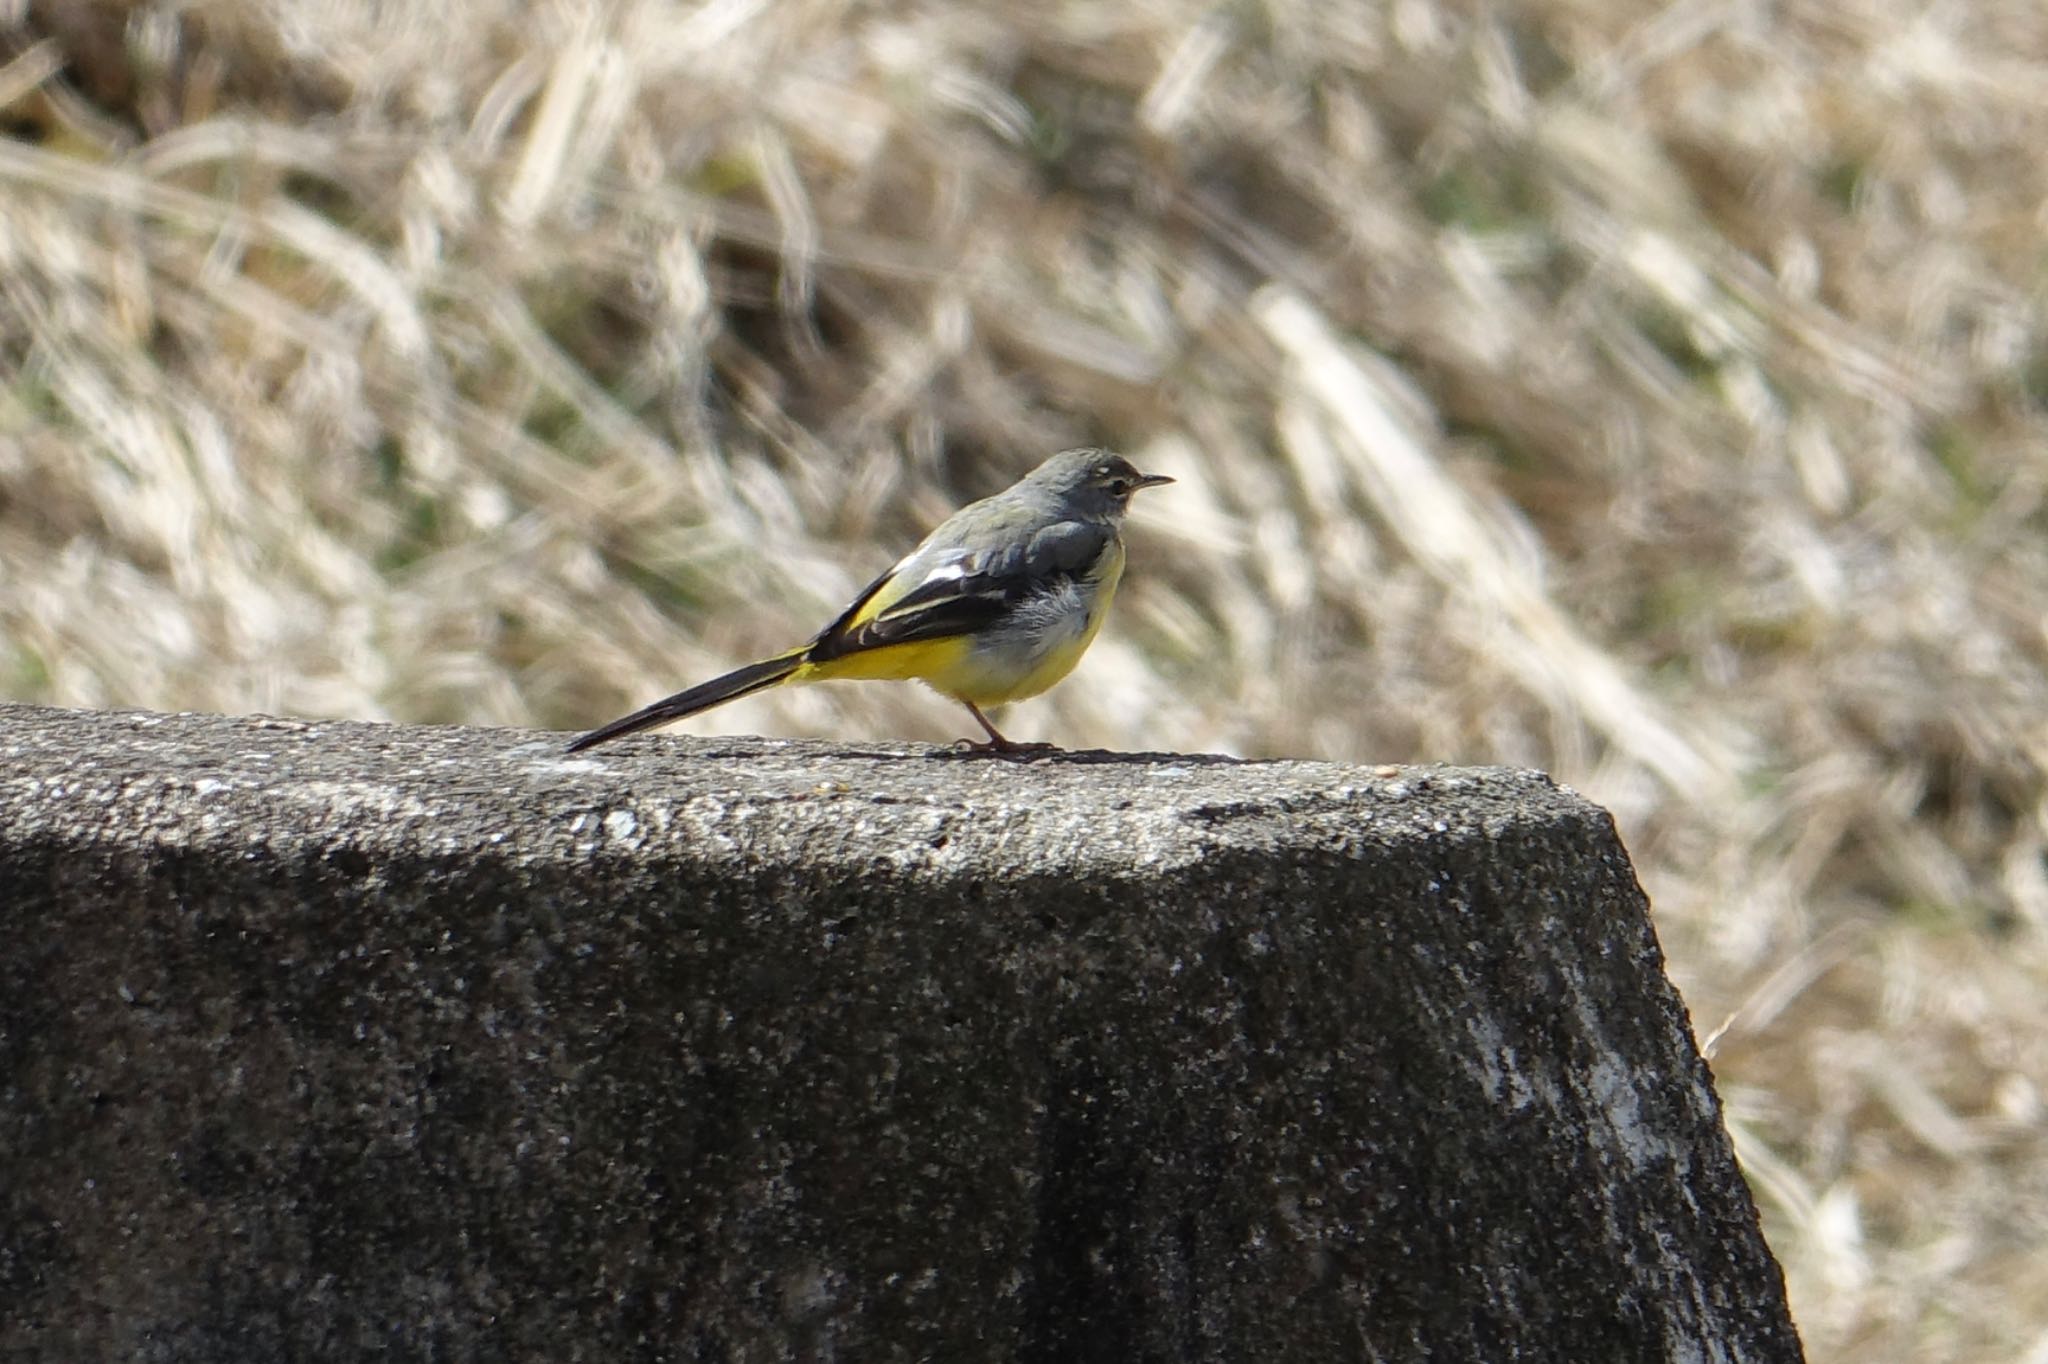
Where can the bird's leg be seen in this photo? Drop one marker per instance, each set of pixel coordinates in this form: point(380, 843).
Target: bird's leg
point(997, 745)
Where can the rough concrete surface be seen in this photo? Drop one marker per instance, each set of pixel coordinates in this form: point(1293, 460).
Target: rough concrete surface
point(326, 1040)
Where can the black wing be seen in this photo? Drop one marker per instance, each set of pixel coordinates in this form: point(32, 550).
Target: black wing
point(954, 591)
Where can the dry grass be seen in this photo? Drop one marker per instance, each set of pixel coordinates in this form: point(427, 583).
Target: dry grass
point(1651, 395)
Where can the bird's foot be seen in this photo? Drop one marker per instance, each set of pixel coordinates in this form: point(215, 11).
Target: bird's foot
point(997, 746)
point(1005, 748)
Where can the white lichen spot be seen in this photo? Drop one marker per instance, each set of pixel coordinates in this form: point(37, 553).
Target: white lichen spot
point(622, 827)
point(1497, 1065)
point(1613, 1089)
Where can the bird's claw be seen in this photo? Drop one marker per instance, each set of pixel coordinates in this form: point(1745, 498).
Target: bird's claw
point(1005, 748)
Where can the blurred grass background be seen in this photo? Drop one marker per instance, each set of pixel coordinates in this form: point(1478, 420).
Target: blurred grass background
point(1652, 394)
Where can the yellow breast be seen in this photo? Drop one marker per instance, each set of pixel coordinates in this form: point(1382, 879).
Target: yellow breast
point(1027, 660)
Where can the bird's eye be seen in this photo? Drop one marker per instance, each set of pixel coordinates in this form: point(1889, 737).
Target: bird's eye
point(1121, 486)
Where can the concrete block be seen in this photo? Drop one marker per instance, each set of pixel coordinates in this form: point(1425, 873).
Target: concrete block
point(325, 1040)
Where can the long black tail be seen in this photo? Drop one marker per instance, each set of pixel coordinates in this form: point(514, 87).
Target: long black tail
point(740, 682)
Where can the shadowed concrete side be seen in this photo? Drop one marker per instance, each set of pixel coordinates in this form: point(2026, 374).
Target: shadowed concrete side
point(319, 1039)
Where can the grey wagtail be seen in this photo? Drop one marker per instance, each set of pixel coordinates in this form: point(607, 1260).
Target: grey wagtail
point(996, 605)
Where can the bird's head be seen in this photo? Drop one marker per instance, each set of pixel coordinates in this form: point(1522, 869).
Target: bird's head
point(1095, 482)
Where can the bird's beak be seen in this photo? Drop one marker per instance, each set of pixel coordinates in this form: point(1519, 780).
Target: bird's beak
point(1150, 481)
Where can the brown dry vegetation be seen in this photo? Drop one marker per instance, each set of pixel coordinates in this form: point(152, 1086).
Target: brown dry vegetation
point(1650, 394)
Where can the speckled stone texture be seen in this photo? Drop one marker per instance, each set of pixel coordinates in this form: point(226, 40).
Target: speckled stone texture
point(325, 1041)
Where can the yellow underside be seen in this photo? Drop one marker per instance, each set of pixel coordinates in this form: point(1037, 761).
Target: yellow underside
point(955, 668)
